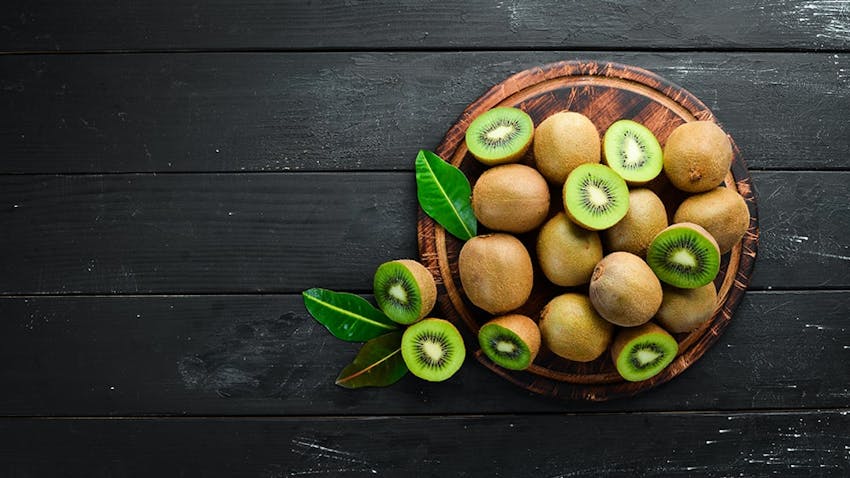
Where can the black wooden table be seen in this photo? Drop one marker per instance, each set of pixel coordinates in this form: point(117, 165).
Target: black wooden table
point(174, 174)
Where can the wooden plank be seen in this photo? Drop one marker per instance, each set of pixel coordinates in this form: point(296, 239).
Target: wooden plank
point(263, 355)
point(238, 233)
point(265, 24)
point(364, 111)
point(788, 444)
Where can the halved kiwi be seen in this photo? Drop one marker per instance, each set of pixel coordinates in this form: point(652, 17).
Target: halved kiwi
point(511, 341)
point(433, 349)
point(684, 255)
point(405, 290)
point(642, 352)
point(631, 150)
point(595, 197)
point(500, 135)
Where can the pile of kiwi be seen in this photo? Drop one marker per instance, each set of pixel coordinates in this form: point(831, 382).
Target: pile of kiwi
point(630, 281)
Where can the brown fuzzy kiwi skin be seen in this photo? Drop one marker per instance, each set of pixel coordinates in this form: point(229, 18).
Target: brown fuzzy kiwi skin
point(626, 335)
point(697, 156)
point(721, 211)
point(564, 141)
point(683, 310)
point(646, 218)
point(525, 328)
point(624, 290)
point(425, 283)
point(511, 198)
point(496, 272)
point(572, 329)
point(566, 252)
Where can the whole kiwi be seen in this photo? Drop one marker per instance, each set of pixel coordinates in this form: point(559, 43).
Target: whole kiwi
point(496, 272)
point(646, 218)
point(721, 211)
point(624, 290)
point(683, 310)
point(697, 156)
point(566, 252)
point(573, 330)
point(564, 141)
point(512, 198)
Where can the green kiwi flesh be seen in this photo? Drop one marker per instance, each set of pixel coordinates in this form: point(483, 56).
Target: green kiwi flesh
point(631, 150)
point(405, 290)
point(640, 353)
point(684, 255)
point(595, 197)
point(433, 349)
point(500, 135)
point(510, 341)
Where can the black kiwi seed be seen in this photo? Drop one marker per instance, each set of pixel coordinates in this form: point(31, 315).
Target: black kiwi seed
point(653, 347)
point(423, 356)
point(514, 126)
point(593, 208)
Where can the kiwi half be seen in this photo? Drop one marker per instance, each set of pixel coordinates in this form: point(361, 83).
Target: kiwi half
point(721, 211)
point(511, 197)
point(433, 349)
point(595, 197)
point(405, 290)
point(500, 135)
point(572, 329)
point(510, 341)
point(684, 255)
point(642, 352)
point(631, 150)
point(624, 290)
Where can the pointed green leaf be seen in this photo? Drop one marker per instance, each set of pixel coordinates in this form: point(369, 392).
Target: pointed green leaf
point(347, 316)
point(378, 363)
point(444, 194)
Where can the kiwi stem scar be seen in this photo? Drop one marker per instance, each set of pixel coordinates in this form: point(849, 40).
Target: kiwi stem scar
point(449, 200)
point(345, 312)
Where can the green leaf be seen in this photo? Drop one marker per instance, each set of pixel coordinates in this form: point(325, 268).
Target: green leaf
point(347, 316)
point(378, 363)
point(444, 194)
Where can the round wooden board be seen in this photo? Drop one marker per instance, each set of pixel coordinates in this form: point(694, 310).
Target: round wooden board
point(605, 92)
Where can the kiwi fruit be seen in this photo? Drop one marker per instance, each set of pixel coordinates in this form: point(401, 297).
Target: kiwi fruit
point(624, 290)
point(496, 272)
point(683, 310)
point(562, 142)
point(512, 198)
point(500, 135)
point(721, 211)
point(433, 349)
point(573, 330)
point(510, 341)
point(405, 290)
point(642, 352)
point(631, 150)
point(595, 197)
point(566, 252)
point(645, 218)
point(684, 255)
point(697, 156)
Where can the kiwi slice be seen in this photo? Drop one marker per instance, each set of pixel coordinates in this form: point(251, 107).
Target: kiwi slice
point(510, 341)
point(500, 135)
point(631, 150)
point(642, 352)
point(684, 255)
point(433, 349)
point(595, 197)
point(405, 290)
